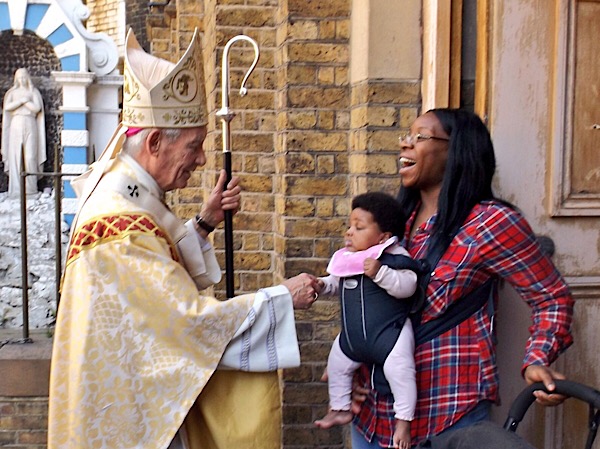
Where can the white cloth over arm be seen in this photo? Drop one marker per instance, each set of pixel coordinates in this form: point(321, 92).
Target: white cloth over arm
point(266, 340)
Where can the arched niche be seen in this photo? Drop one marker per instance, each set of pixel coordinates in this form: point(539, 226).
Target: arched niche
point(86, 74)
point(36, 55)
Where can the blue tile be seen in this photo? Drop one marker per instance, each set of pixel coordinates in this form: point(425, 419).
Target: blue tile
point(70, 63)
point(4, 17)
point(68, 191)
point(34, 16)
point(68, 218)
point(75, 155)
point(60, 36)
point(74, 120)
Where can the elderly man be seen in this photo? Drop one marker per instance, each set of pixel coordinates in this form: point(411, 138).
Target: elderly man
point(135, 343)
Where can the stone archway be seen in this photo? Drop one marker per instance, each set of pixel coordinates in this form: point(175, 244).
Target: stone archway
point(87, 74)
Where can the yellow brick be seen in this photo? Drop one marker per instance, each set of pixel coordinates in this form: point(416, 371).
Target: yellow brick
point(305, 185)
point(342, 119)
point(317, 141)
point(301, 75)
point(359, 117)
point(318, 52)
point(252, 261)
point(342, 30)
point(299, 248)
point(374, 163)
point(267, 123)
point(250, 242)
point(267, 164)
point(257, 202)
point(262, 222)
point(379, 140)
point(303, 29)
point(325, 207)
point(407, 116)
point(189, 6)
point(318, 8)
point(302, 120)
point(327, 29)
point(341, 77)
point(397, 93)
point(250, 163)
point(342, 207)
point(326, 75)
point(326, 119)
point(382, 116)
point(323, 248)
point(256, 183)
point(190, 22)
point(267, 242)
point(190, 195)
point(326, 164)
point(359, 94)
point(299, 207)
point(245, 16)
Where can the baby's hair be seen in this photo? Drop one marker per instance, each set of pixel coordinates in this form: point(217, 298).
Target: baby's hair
point(386, 211)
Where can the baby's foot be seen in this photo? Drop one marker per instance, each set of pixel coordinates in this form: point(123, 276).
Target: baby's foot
point(402, 434)
point(334, 418)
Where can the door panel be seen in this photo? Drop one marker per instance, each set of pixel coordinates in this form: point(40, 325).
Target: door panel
point(538, 81)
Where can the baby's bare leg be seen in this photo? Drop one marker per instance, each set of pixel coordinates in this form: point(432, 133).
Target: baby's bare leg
point(334, 418)
point(402, 434)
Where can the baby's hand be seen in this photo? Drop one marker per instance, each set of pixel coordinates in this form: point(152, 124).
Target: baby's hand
point(320, 285)
point(371, 267)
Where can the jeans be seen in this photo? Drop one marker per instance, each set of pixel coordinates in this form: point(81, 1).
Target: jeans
point(481, 412)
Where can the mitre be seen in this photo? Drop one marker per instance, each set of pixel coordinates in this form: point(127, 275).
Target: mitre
point(160, 94)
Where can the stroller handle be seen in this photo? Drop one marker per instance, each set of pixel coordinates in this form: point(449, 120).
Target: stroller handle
point(565, 387)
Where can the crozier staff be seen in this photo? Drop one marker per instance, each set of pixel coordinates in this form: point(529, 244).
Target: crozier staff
point(140, 357)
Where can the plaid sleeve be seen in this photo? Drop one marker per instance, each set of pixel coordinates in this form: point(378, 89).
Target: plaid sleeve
point(511, 251)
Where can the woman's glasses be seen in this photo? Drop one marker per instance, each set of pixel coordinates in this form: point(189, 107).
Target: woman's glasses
point(411, 139)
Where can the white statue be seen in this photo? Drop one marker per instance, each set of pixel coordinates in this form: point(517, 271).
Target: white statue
point(23, 125)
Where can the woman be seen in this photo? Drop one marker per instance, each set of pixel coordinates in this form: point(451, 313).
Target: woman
point(447, 163)
point(23, 133)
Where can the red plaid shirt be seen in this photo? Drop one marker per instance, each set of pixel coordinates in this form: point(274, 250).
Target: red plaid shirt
point(458, 369)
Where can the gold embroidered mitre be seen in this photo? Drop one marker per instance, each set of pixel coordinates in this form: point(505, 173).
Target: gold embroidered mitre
point(160, 94)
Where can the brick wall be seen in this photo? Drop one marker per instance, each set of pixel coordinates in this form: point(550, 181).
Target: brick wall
point(136, 14)
point(290, 149)
point(380, 109)
point(23, 422)
point(104, 18)
point(313, 192)
point(304, 142)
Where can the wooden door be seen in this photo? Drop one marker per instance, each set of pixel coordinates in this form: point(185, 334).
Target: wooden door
point(538, 84)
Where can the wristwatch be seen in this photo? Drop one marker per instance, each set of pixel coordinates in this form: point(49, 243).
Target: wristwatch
point(204, 225)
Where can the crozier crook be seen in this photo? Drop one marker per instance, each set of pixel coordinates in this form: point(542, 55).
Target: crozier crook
point(226, 116)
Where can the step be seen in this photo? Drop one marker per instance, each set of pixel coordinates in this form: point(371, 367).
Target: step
point(25, 366)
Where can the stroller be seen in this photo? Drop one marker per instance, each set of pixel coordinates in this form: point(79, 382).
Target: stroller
point(493, 436)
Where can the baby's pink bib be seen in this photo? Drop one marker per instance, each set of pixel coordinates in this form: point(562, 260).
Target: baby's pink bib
point(345, 263)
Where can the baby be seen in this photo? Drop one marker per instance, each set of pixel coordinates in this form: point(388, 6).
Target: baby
point(375, 279)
